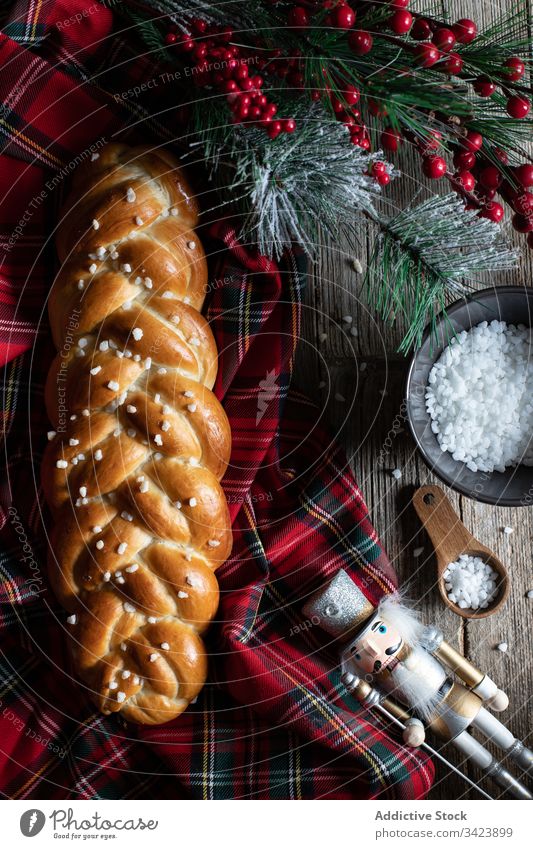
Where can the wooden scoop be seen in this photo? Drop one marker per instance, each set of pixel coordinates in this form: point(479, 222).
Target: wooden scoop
point(450, 539)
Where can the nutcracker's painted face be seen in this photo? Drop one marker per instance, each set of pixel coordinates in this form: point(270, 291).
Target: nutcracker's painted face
point(376, 646)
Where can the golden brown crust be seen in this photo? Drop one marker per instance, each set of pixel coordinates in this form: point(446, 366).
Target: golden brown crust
point(132, 475)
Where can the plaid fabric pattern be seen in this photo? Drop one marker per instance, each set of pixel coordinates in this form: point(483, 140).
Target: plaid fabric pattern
point(273, 720)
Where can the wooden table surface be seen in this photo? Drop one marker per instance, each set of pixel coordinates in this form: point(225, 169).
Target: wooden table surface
point(366, 371)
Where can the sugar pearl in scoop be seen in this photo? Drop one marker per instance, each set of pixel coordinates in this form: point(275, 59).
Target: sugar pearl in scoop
point(480, 397)
point(470, 582)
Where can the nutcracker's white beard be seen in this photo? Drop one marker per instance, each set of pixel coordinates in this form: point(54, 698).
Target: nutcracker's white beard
point(417, 680)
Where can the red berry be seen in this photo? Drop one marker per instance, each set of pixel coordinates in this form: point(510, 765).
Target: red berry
point(401, 22)
point(431, 142)
point(516, 69)
point(464, 160)
point(170, 38)
point(426, 54)
point(343, 17)
point(350, 94)
point(464, 30)
point(472, 141)
point(465, 179)
point(490, 177)
point(400, 4)
point(199, 25)
point(444, 39)
point(421, 30)
point(298, 17)
point(274, 129)
point(289, 125)
point(518, 107)
point(501, 154)
point(390, 140)
point(453, 64)
point(365, 144)
point(484, 87)
point(383, 179)
point(360, 42)
point(522, 223)
point(378, 168)
point(493, 211)
point(524, 175)
point(522, 203)
point(434, 167)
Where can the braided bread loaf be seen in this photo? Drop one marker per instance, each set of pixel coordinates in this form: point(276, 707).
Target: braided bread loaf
point(132, 471)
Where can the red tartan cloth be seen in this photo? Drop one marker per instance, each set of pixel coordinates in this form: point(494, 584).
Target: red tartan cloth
point(273, 720)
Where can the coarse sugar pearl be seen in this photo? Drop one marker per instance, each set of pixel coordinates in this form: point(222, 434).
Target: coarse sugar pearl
point(480, 397)
point(470, 582)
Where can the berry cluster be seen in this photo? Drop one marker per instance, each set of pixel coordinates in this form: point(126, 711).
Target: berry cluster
point(344, 106)
point(233, 71)
point(477, 179)
point(226, 67)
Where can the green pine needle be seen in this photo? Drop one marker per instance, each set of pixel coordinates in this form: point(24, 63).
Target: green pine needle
point(292, 186)
point(426, 254)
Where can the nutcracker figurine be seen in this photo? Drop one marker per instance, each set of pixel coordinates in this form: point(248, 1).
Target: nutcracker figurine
point(390, 659)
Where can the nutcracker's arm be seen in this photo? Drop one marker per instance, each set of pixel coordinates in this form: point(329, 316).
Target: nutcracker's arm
point(477, 681)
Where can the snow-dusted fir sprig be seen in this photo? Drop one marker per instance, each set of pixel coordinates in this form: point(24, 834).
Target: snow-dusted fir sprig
point(294, 186)
point(427, 254)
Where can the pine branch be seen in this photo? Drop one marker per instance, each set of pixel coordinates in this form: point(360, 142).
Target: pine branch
point(427, 254)
point(290, 187)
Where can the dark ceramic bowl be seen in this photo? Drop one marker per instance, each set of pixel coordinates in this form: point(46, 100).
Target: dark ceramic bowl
point(514, 487)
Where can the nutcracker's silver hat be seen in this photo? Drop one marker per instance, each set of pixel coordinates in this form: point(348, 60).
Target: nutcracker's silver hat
point(340, 608)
